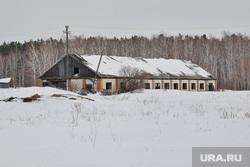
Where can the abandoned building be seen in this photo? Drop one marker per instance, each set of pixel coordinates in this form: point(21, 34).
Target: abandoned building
point(117, 73)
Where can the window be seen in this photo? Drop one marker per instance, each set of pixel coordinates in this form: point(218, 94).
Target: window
point(108, 85)
point(184, 86)
point(211, 87)
point(76, 70)
point(176, 86)
point(193, 86)
point(202, 86)
point(147, 85)
point(166, 85)
point(122, 86)
point(157, 86)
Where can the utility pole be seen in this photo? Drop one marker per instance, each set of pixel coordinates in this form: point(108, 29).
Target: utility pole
point(16, 68)
point(93, 88)
point(67, 56)
point(67, 39)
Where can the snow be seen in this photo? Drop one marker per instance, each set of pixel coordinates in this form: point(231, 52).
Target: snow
point(5, 80)
point(150, 128)
point(111, 65)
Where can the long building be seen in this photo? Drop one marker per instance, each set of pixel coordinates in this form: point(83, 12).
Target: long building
point(117, 72)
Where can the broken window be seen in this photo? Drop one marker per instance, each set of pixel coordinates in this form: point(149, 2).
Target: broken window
point(123, 85)
point(157, 86)
point(89, 87)
point(147, 85)
point(176, 86)
point(166, 85)
point(76, 70)
point(184, 86)
point(193, 86)
point(202, 86)
point(108, 85)
point(211, 87)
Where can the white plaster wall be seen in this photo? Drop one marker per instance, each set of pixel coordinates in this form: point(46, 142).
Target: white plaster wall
point(76, 85)
point(88, 81)
point(113, 81)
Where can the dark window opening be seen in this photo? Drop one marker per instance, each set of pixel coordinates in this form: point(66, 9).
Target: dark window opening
point(176, 86)
point(59, 85)
point(147, 85)
point(108, 85)
point(184, 86)
point(193, 86)
point(122, 85)
point(166, 85)
point(89, 87)
point(211, 87)
point(202, 86)
point(46, 84)
point(76, 70)
point(157, 86)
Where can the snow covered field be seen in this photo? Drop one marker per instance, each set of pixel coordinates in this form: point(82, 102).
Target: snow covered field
point(154, 128)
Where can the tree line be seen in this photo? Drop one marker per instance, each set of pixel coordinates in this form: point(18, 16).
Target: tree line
point(227, 58)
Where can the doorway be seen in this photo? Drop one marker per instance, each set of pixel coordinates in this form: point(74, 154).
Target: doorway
point(89, 87)
point(210, 87)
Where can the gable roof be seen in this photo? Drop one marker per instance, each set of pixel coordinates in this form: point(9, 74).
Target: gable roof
point(5, 80)
point(155, 67)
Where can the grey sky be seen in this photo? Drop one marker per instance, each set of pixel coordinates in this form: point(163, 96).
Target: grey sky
point(32, 19)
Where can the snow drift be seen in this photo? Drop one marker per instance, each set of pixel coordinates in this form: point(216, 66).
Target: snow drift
point(152, 128)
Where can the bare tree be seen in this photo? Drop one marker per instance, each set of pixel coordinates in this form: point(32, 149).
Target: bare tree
point(133, 79)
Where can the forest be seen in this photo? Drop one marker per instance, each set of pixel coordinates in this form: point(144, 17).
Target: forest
point(227, 58)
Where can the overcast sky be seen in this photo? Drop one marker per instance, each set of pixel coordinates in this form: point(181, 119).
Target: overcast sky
point(22, 20)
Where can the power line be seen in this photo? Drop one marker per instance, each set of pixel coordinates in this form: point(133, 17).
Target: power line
point(110, 31)
point(159, 28)
point(127, 28)
point(27, 32)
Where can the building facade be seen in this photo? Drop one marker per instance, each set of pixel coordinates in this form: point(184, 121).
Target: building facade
point(116, 73)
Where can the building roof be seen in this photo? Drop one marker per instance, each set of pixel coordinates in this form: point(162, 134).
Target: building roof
point(155, 67)
point(5, 80)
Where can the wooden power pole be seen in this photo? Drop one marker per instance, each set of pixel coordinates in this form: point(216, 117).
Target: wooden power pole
point(67, 56)
point(16, 68)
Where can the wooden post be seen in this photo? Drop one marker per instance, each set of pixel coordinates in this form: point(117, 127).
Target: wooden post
point(215, 87)
point(198, 86)
point(162, 84)
point(69, 85)
point(171, 84)
point(116, 85)
point(100, 85)
point(84, 83)
point(189, 85)
point(40, 83)
point(180, 88)
point(153, 84)
point(206, 85)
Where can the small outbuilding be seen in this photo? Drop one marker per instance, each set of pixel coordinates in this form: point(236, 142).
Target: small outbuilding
point(5, 82)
